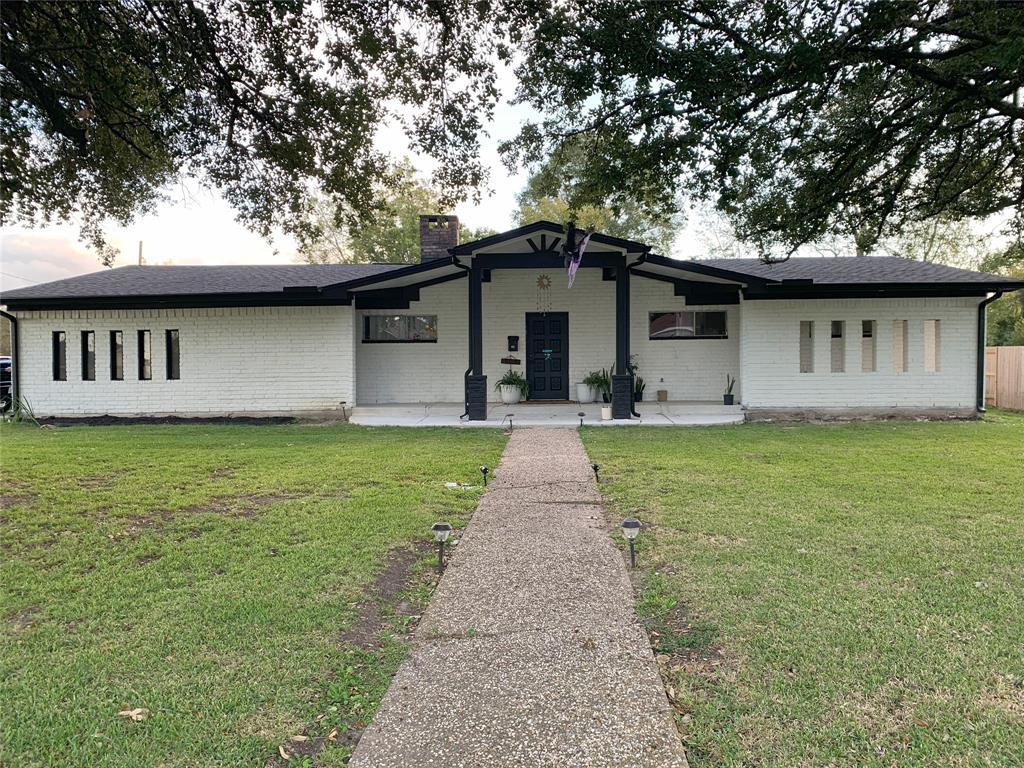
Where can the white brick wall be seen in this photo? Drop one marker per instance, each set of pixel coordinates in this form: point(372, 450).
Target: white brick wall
point(590, 304)
point(690, 369)
point(413, 373)
point(305, 359)
point(257, 360)
point(419, 373)
point(769, 353)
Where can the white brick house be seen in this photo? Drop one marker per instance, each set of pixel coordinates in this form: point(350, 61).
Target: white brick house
point(867, 334)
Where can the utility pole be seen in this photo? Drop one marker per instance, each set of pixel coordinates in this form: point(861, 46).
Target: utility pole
point(140, 253)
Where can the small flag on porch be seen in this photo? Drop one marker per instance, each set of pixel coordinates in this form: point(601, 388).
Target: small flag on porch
point(576, 252)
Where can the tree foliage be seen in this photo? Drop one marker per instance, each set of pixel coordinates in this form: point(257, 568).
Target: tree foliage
point(1006, 314)
point(798, 118)
point(106, 103)
point(551, 190)
point(390, 234)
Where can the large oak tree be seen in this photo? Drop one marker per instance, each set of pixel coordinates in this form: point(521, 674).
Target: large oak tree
point(798, 118)
point(106, 103)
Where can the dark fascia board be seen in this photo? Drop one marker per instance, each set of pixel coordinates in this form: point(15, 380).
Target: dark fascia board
point(630, 246)
point(706, 269)
point(399, 298)
point(695, 293)
point(391, 274)
point(877, 290)
point(182, 301)
point(548, 260)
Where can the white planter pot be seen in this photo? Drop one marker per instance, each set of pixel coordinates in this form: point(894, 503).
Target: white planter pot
point(510, 394)
point(606, 413)
point(585, 393)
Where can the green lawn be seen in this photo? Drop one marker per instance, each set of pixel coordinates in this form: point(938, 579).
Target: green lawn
point(219, 577)
point(847, 595)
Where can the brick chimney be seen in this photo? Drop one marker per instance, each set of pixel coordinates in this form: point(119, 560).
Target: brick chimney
point(437, 234)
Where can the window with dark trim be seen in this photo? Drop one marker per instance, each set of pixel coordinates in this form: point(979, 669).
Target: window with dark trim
point(60, 356)
point(399, 329)
point(116, 356)
point(173, 357)
point(686, 325)
point(145, 356)
point(88, 355)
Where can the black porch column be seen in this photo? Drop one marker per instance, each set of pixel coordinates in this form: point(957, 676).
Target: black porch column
point(476, 382)
point(622, 380)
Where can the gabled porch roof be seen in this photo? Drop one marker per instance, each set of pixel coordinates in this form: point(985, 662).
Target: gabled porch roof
point(555, 234)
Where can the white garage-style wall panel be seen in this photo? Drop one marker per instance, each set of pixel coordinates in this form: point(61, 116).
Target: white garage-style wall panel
point(419, 372)
point(689, 369)
point(233, 361)
point(770, 353)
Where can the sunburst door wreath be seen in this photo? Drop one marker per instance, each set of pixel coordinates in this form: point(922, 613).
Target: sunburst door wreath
point(543, 293)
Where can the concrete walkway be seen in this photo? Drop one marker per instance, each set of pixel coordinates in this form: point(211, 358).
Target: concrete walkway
point(529, 653)
point(652, 414)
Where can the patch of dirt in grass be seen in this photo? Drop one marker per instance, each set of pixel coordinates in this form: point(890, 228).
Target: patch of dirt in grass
point(101, 481)
point(886, 713)
point(237, 506)
point(24, 619)
point(147, 559)
point(228, 506)
point(8, 500)
point(381, 603)
point(1007, 696)
point(383, 593)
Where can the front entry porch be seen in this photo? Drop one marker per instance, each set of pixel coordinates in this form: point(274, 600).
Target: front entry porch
point(668, 414)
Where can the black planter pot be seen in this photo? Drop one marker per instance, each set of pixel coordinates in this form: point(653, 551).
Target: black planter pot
point(605, 397)
point(638, 397)
point(728, 399)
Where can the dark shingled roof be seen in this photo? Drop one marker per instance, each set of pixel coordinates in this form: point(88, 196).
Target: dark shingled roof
point(198, 280)
point(855, 270)
point(269, 283)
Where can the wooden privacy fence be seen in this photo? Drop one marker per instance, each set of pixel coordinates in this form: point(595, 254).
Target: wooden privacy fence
point(1004, 377)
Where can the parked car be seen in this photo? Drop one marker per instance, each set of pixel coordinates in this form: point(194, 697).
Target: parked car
point(5, 382)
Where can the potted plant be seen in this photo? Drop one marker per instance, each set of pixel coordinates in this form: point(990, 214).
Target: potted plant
point(730, 382)
point(639, 385)
point(605, 384)
point(513, 387)
point(586, 392)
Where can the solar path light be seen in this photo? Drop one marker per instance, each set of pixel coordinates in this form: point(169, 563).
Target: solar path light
point(483, 471)
point(596, 468)
point(441, 533)
point(630, 529)
point(581, 414)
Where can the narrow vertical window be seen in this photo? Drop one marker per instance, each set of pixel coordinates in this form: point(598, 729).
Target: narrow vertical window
point(838, 346)
point(145, 356)
point(899, 346)
point(932, 342)
point(867, 345)
point(88, 355)
point(806, 346)
point(60, 356)
point(116, 356)
point(173, 361)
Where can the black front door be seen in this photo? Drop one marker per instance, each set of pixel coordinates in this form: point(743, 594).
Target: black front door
point(547, 355)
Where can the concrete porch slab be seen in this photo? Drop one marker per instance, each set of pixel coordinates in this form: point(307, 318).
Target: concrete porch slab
point(668, 414)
